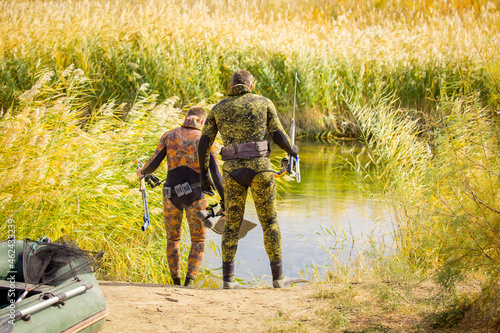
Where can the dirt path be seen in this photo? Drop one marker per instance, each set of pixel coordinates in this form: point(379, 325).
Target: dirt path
point(156, 308)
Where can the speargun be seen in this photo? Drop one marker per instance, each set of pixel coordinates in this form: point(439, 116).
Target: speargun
point(291, 164)
point(146, 218)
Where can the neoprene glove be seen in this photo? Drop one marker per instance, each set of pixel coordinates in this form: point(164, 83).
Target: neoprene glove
point(207, 186)
point(295, 150)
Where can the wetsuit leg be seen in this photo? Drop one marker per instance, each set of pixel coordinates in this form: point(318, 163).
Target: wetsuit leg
point(173, 225)
point(198, 232)
point(234, 200)
point(263, 190)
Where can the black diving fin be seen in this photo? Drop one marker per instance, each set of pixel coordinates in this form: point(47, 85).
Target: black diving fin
point(214, 219)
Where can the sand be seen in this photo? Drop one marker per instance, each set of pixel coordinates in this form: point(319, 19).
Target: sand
point(135, 307)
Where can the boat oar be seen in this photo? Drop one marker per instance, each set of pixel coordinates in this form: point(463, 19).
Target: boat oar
point(7, 323)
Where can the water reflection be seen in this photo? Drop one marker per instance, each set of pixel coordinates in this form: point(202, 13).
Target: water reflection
point(318, 218)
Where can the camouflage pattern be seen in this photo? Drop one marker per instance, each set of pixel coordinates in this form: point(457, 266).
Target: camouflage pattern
point(173, 226)
point(180, 147)
point(245, 117)
point(263, 190)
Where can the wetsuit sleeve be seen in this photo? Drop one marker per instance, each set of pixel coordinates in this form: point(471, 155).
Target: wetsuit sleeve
point(215, 172)
point(154, 162)
point(208, 133)
point(276, 130)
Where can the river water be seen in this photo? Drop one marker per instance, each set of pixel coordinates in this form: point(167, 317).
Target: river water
point(324, 219)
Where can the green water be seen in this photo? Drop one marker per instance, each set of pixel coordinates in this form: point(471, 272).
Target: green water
point(324, 218)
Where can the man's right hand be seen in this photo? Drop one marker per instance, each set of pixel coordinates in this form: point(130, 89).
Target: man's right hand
point(207, 186)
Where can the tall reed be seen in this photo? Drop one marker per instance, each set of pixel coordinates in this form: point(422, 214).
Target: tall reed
point(341, 50)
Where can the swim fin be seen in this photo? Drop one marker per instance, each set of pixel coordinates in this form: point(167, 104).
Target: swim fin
point(281, 283)
point(216, 224)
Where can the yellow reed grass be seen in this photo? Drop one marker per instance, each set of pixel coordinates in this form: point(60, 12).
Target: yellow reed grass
point(340, 49)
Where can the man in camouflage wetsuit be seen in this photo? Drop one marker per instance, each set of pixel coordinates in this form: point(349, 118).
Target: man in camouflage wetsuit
point(180, 147)
point(244, 120)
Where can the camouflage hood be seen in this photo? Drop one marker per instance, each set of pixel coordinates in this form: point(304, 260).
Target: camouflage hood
point(239, 89)
point(192, 122)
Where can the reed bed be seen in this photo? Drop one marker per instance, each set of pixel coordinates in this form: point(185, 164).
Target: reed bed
point(342, 51)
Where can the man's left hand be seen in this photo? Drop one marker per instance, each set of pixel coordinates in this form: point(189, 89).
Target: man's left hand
point(207, 186)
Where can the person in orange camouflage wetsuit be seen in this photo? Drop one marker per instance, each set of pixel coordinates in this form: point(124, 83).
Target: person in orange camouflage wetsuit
point(180, 147)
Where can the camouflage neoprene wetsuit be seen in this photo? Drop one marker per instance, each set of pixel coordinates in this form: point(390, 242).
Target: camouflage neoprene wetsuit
point(180, 147)
point(244, 117)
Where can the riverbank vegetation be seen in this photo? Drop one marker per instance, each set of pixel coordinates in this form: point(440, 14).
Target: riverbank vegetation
point(342, 51)
point(443, 191)
point(87, 87)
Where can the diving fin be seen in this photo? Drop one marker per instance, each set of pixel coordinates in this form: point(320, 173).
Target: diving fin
point(216, 224)
point(284, 282)
point(296, 280)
